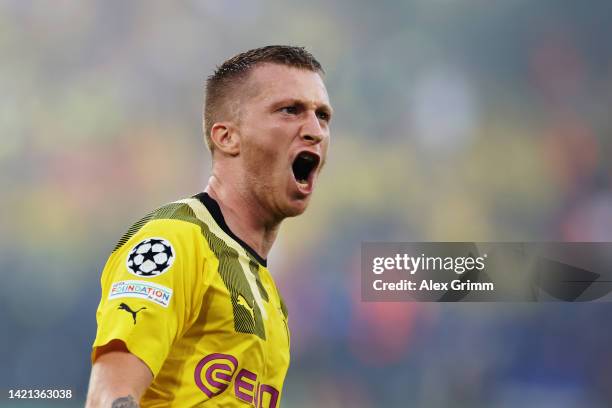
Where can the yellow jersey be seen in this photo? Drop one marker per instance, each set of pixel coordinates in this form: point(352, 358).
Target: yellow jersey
point(198, 307)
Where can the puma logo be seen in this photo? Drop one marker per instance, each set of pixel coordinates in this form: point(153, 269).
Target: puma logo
point(125, 307)
point(243, 302)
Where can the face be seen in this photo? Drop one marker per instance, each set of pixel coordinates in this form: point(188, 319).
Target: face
point(284, 136)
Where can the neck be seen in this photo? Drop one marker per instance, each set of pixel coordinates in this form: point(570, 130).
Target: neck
point(244, 216)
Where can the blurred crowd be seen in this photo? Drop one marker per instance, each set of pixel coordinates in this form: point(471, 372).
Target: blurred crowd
point(455, 121)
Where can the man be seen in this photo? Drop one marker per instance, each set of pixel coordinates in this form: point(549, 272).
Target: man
point(190, 315)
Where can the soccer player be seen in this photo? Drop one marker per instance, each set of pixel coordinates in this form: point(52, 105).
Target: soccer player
point(189, 314)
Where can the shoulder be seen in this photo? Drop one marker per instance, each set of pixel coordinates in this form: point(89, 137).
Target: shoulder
point(179, 220)
point(169, 238)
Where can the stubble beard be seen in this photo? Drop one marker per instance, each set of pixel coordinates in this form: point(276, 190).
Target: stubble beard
point(269, 191)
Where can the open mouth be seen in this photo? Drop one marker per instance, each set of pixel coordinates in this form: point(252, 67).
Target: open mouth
point(304, 166)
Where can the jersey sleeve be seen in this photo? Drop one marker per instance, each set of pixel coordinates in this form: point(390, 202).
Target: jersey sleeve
point(152, 288)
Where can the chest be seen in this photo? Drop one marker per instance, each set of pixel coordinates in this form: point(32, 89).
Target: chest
point(244, 313)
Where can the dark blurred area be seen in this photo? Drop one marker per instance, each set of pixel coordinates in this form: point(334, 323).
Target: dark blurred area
point(455, 121)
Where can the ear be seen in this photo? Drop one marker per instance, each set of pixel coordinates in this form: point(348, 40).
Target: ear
point(225, 138)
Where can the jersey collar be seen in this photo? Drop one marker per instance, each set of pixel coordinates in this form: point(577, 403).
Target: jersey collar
point(213, 208)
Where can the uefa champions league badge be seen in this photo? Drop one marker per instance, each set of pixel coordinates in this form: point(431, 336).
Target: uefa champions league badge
point(150, 257)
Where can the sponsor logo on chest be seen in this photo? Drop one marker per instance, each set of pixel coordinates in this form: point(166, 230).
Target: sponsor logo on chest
point(215, 373)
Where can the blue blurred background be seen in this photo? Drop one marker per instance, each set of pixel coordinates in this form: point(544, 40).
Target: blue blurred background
point(455, 120)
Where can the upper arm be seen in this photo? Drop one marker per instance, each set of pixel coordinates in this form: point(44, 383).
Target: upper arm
point(118, 378)
point(148, 311)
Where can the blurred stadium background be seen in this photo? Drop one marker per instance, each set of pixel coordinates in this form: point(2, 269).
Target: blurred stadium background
point(455, 120)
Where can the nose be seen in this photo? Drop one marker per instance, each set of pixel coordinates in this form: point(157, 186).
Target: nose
point(311, 131)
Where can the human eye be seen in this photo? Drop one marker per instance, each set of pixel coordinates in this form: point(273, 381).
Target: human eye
point(323, 116)
point(291, 110)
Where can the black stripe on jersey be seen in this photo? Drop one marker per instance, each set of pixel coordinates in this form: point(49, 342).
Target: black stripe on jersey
point(247, 318)
point(213, 208)
point(255, 269)
point(284, 307)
